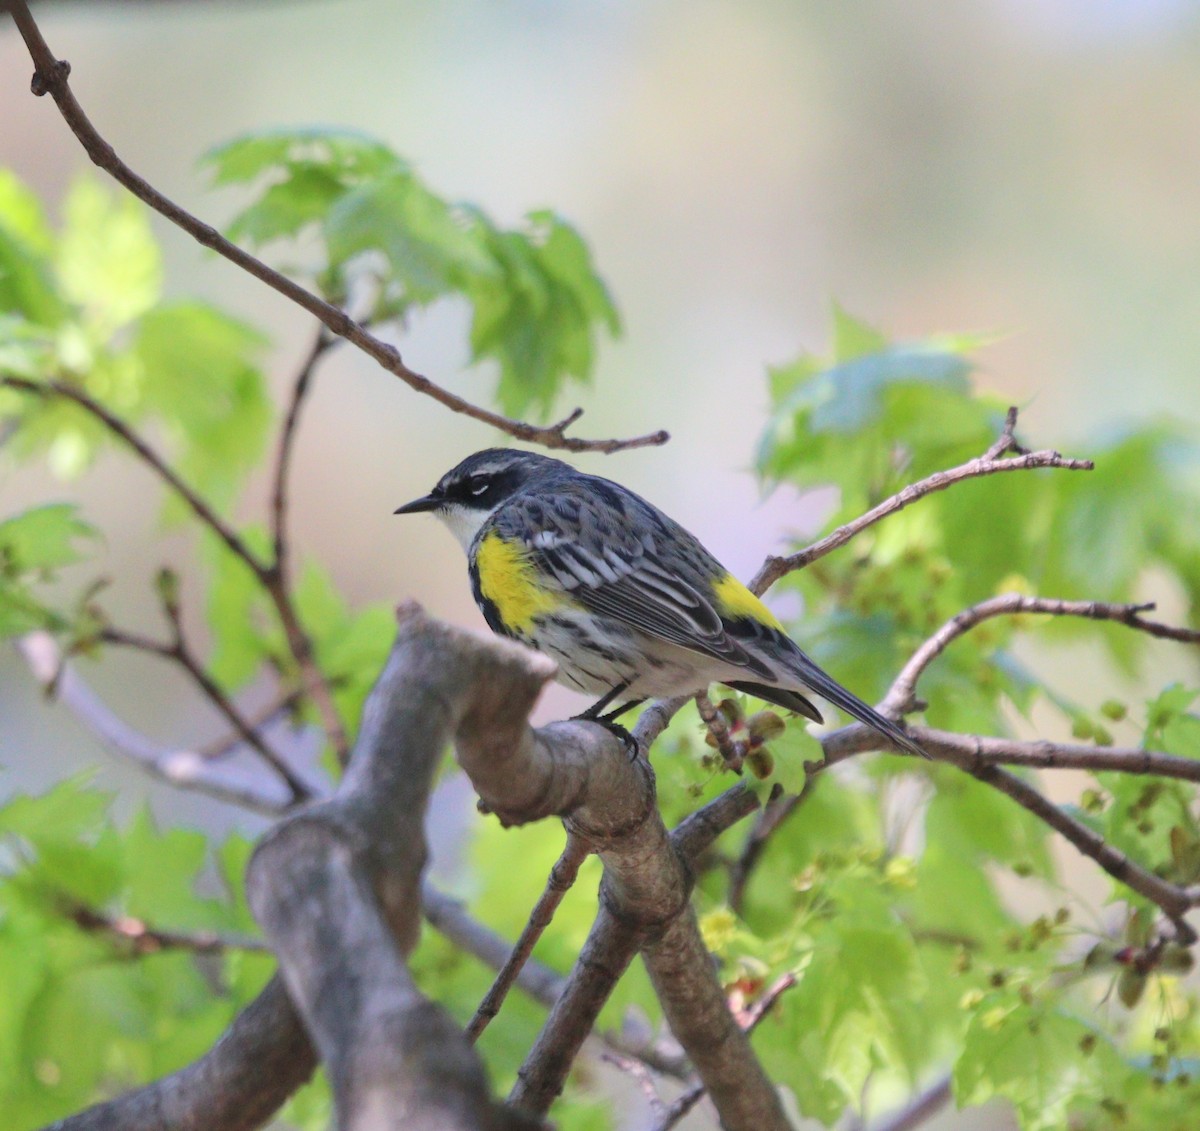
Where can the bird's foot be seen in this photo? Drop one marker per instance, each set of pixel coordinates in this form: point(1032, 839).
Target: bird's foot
point(610, 724)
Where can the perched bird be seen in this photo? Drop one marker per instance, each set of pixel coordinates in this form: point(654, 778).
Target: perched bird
point(623, 598)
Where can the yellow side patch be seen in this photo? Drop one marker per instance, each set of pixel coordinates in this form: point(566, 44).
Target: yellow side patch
point(735, 600)
point(509, 580)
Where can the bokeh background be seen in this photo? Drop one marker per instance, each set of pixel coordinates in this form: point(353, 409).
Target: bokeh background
point(1030, 167)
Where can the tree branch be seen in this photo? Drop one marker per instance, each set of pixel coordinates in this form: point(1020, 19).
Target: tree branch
point(322, 343)
point(207, 516)
point(990, 463)
point(182, 768)
point(50, 77)
point(611, 945)
point(271, 579)
point(903, 690)
point(178, 652)
point(142, 939)
point(749, 1022)
point(561, 878)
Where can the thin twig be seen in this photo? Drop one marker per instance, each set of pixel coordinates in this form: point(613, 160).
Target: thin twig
point(322, 343)
point(990, 463)
point(777, 810)
point(732, 756)
point(970, 753)
point(903, 690)
point(299, 643)
point(558, 883)
point(178, 652)
point(749, 1022)
point(142, 939)
point(50, 77)
point(184, 769)
point(148, 456)
point(273, 712)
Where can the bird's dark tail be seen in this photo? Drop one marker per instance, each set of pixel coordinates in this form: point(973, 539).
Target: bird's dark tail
point(814, 679)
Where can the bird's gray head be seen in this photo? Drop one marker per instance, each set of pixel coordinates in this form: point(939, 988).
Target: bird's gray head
point(467, 495)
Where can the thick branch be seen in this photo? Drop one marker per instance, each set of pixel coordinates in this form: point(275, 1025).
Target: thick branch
point(260, 1060)
point(610, 947)
point(50, 77)
point(337, 890)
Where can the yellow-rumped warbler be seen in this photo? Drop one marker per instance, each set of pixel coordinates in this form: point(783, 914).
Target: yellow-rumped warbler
point(625, 600)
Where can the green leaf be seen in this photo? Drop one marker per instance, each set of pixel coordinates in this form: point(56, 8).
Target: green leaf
point(203, 379)
point(42, 539)
point(537, 317)
point(107, 258)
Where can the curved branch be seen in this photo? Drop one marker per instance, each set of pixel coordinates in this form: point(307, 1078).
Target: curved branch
point(185, 769)
point(207, 516)
point(50, 77)
point(322, 343)
point(990, 463)
point(981, 757)
point(903, 690)
point(269, 576)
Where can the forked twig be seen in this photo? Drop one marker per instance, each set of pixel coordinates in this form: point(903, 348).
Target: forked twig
point(51, 77)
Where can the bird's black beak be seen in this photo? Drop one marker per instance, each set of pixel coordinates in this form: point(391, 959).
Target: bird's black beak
point(425, 503)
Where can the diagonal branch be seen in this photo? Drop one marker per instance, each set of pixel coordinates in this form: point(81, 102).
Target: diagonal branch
point(199, 507)
point(561, 878)
point(141, 939)
point(322, 343)
point(179, 653)
point(182, 768)
point(992, 462)
point(50, 77)
point(268, 576)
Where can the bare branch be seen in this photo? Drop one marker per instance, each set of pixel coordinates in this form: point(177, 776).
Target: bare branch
point(990, 463)
point(272, 581)
point(50, 77)
point(262, 1058)
point(142, 939)
point(183, 768)
point(561, 878)
point(969, 753)
point(612, 943)
point(903, 690)
point(178, 652)
point(207, 516)
point(322, 343)
point(749, 1022)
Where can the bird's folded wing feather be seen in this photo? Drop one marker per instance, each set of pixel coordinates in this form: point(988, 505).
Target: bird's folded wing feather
point(614, 572)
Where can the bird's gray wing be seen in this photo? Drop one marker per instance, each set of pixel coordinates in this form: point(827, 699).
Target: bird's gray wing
point(607, 554)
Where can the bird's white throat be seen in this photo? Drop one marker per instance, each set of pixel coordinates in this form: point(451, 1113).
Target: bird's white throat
point(463, 522)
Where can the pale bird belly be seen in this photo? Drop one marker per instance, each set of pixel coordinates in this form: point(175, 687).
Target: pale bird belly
point(594, 658)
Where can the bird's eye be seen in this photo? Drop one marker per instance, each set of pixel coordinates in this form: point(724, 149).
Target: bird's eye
point(478, 484)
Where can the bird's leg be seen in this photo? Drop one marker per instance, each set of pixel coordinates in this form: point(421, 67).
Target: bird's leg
point(609, 722)
point(594, 711)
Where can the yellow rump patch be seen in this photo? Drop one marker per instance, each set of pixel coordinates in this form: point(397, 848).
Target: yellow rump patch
point(509, 580)
point(735, 600)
